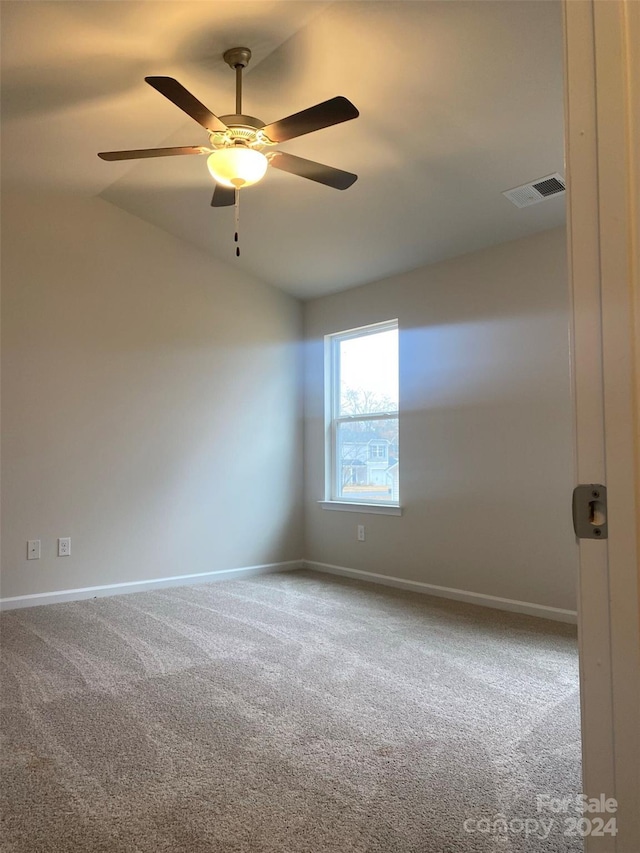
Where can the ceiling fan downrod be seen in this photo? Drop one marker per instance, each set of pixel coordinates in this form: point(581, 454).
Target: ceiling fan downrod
point(238, 59)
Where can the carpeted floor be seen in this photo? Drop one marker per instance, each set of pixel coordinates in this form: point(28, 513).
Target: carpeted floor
point(291, 713)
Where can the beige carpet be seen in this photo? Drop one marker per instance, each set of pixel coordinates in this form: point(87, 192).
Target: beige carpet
point(292, 713)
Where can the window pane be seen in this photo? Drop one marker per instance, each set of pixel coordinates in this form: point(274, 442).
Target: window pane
point(367, 460)
point(369, 373)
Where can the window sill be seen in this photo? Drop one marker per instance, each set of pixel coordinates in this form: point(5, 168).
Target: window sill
point(347, 506)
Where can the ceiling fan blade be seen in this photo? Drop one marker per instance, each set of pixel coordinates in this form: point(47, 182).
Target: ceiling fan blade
point(183, 99)
point(151, 152)
point(327, 175)
point(322, 115)
point(223, 196)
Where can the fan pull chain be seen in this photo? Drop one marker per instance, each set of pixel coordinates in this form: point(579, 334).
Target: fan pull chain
point(236, 235)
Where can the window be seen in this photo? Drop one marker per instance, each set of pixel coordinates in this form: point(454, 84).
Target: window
point(377, 451)
point(362, 415)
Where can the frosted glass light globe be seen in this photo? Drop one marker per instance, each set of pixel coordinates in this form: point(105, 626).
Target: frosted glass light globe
point(237, 167)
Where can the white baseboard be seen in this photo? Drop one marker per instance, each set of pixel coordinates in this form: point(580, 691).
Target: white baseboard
point(139, 586)
point(497, 603)
point(62, 595)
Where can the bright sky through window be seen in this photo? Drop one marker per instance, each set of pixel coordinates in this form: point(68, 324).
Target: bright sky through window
point(369, 365)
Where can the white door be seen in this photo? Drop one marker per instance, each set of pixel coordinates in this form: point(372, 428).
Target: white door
point(603, 145)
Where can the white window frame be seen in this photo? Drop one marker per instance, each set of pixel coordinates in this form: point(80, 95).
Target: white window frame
point(333, 418)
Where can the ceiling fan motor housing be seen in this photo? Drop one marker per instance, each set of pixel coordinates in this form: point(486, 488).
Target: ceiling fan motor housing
point(241, 130)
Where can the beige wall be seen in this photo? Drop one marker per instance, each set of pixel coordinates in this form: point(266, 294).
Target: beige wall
point(486, 469)
point(151, 411)
point(151, 405)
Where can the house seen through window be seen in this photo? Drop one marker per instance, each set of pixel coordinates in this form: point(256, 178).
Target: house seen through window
point(362, 386)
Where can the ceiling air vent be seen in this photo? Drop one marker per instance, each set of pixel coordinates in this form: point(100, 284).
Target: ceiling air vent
point(536, 191)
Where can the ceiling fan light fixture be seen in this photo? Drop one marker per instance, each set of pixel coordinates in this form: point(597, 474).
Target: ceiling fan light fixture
point(237, 167)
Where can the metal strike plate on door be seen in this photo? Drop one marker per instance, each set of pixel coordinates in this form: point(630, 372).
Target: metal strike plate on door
point(590, 511)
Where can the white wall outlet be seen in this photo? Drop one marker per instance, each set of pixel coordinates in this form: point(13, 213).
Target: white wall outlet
point(361, 533)
point(64, 546)
point(33, 549)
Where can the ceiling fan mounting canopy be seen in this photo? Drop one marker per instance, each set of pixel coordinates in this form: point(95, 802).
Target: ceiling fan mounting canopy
point(236, 140)
point(237, 57)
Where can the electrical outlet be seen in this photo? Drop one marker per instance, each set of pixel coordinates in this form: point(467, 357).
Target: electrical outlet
point(64, 546)
point(361, 533)
point(33, 549)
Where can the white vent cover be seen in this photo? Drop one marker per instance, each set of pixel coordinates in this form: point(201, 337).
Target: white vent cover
point(536, 191)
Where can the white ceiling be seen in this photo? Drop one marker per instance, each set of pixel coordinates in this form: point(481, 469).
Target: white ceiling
point(458, 101)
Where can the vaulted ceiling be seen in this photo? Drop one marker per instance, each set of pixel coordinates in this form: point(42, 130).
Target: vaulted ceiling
point(458, 101)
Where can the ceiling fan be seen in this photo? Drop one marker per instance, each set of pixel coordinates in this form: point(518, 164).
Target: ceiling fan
point(236, 157)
